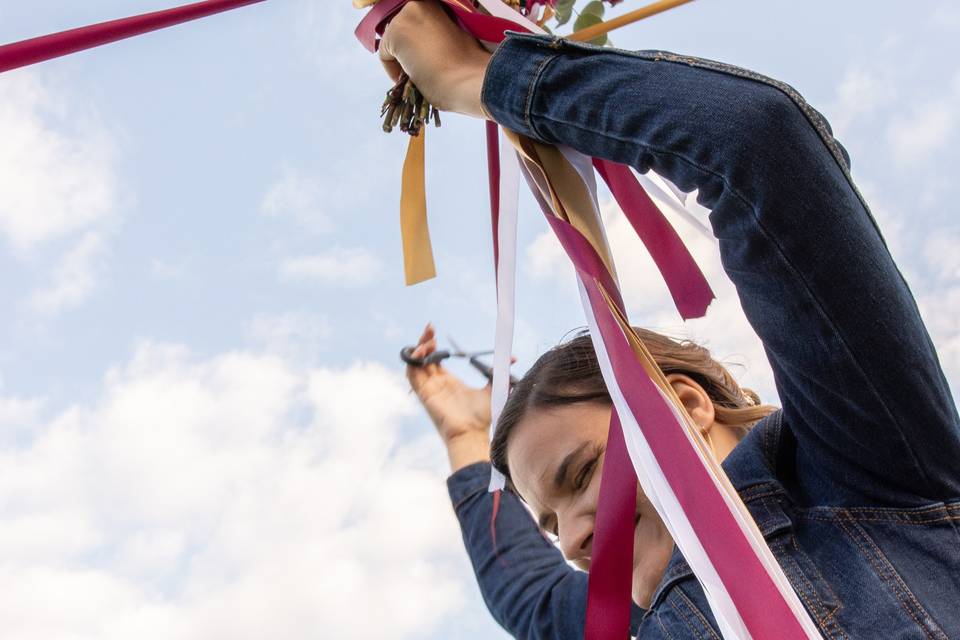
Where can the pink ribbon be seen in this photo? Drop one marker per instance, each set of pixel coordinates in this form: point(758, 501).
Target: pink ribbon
point(690, 290)
point(34, 50)
point(493, 177)
point(608, 601)
point(761, 606)
point(375, 21)
point(611, 562)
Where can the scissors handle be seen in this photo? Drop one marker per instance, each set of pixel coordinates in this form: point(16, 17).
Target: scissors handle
point(406, 354)
point(487, 370)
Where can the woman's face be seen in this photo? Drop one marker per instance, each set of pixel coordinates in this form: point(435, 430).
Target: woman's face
point(556, 457)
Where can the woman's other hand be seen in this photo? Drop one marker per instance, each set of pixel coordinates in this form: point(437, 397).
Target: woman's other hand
point(446, 64)
point(461, 414)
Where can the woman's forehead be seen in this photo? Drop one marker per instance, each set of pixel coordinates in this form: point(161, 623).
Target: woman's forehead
point(544, 437)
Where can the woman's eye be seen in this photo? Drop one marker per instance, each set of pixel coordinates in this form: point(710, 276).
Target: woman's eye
point(584, 474)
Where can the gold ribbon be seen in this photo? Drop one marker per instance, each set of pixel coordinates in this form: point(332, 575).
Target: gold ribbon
point(417, 251)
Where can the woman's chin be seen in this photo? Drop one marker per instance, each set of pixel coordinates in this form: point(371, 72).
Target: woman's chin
point(652, 549)
point(643, 589)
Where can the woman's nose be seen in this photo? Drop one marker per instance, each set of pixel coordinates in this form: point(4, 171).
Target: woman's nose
point(576, 537)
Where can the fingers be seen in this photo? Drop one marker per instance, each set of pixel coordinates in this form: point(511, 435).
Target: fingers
point(428, 333)
point(426, 345)
point(393, 68)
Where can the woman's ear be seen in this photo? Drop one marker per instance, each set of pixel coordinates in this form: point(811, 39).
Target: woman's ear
point(695, 400)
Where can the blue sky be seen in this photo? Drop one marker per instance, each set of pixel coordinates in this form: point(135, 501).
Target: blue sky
point(204, 429)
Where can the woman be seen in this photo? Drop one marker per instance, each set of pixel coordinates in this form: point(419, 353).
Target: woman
point(855, 483)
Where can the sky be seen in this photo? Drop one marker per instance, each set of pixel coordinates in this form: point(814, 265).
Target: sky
point(205, 431)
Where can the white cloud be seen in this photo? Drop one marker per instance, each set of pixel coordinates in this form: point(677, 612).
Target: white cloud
point(296, 196)
point(940, 308)
point(297, 336)
point(939, 301)
point(945, 16)
point(236, 497)
point(18, 415)
point(348, 267)
point(942, 255)
point(925, 129)
point(73, 279)
point(859, 94)
point(56, 165)
point(168, 269)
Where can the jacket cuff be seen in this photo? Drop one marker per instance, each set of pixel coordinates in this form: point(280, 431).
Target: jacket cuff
point(468, 482)
point(512, 76)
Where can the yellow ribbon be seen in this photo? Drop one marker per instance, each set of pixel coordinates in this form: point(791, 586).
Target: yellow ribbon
point(417, 251)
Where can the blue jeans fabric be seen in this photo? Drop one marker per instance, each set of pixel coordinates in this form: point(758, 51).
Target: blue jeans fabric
point(856, 481)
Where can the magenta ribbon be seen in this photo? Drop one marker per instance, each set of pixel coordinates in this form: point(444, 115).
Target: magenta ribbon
point(34, 50)
point(375, 21)
point(761, 606)
point(758, 600)
point(687, 285)
point(493, 178)
point(611, 574)
point(611, 562)
point(690, 290)
point(479, 25)
point(608, 600)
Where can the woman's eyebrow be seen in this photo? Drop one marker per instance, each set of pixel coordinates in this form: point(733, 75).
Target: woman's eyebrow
point(561, 476)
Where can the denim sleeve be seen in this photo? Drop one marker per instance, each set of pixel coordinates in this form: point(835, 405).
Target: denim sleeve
point(526, 584)
point(858, 376)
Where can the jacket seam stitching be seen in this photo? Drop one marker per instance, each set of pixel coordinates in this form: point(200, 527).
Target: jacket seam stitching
point(531, 90)
point(889, 576)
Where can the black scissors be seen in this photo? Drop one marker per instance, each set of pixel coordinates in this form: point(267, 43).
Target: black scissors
point(406, 354)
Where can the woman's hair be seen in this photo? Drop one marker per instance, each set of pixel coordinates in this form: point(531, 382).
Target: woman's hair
point(569, 373)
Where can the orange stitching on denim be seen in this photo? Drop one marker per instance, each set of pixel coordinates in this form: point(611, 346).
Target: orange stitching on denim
point(830, 612)
point(696, 611)
point(896, 585)
point(683, 615)
point(920, 516)
point(901, 583)
point(534, 83)
point(793, 570)
point(663, 628)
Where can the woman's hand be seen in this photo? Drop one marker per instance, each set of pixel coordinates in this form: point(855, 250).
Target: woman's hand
point(446, 64)
point(461, 414)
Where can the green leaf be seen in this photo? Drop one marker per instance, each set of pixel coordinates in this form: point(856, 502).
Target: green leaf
point(564, 10)
point(594, 7)
point(585, 20)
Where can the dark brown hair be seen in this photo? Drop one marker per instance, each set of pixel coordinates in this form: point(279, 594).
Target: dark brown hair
point(569, 373)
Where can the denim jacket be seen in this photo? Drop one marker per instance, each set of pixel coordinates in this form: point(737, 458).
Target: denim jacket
point(855, 483)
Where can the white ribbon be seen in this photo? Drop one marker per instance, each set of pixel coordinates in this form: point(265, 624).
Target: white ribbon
point(506, 286)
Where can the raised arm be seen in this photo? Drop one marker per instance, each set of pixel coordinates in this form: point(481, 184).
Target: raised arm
point(860, 382)
point(525, 582)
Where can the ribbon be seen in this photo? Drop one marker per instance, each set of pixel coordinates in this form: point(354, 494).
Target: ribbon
point(34, 50)
point(417, 252)
point(689, 288)
point(506, 268)
point(611, 562)
point(374, 22)
point(748, 593)
point(493, 177)
point(746, 588)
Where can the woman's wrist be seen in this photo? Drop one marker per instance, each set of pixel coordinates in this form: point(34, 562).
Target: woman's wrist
point(467, 448)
